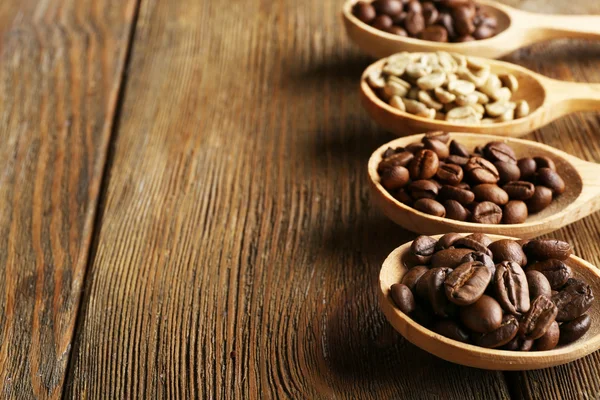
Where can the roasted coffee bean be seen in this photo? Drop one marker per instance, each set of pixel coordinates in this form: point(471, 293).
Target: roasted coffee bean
point(539, 318)
point(430, 13)
point(512, 290)
point(451, 330)
point(483, 259)
point(487, 213)
point(455, 211)
point(447, 241)
point(382, 22)
point(507, 171)
point(434, 33)
point(454, 3)
point(463, 196)
point(490, 192)
point(442, 136)
point(402, 158)
point(414, 22)
point(499, 151)
point(463, 20)
point(414, 147)
point(538, 284)
point(464, 185)
point(422, 248)
point(483, 316)
point(364, 12)
point(391, 151)
point(519, 344)
point(519, 190)
point(423, 189)
point(397, 30)
point(480, 170)
point(445, 20)
point(450, 174)
point(551, 179)
point(545, 249)
point(437, 295)
point(431, 207)
point(473, 244)
point(403, 298)
point(544, 162)
point(482, 238)
point(501, 335)
point(438, 147)
point(394, 178)
point(508, 250)
point(515, 212)
point(574, 330)
point(388, 7)
point(414, 5)
point(573, 300)
point(413, 275)
point(466, 284)
point(423, 315)
point(484, 31)
point(450, 258)
point(556, 271)
point(422, 286)
point(436, 183)
point(527, 166)
point(549, 340)
point(458, 160)
point(458, 149)
point(465, 38)
point(424, 165)
point(542, 197)
point(403, 197)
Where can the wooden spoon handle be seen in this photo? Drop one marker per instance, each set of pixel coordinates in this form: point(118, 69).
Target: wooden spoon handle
point(568, 97)
point(547, 26)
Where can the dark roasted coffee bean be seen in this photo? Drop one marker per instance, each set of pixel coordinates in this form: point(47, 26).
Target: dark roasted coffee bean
point(539, 318)
point(394, 178)
point(458, 149)
point(399, 20)
point(424, 165)
point(556, 271)
point(422, 248)
point(483, 316)
point(549, 340)
point(397, 30)
point(508, 250)
point(501, 335)
point(464, 38)
point(434, 33)
point(458, 160)
point(450, 258)
point(430, 13)
point(402, 159)
point(423, 189)
point(447, 241)
point(574, 330)
point(382, 22)
point(431, 207)
point(414, 147)
point(413, 275)
point(487, 213)
point(484, 31)
point(450, 174)
point(551, 179)
point(438, 147)
point(512, 290)
point(480, 170)
point(403, 298)
point(465, 186)
point(414, 22)
point(454, 3)
point(507, 171)
point(463, 20)
point(515, 212)
point(364, 12)
point(473, 244)
point(388, 7)
point(455, 210)
point(542, 197)
point(422, 286)
point(519, 344)
point(466, 284)
point(544, 162)
point(483, 259)
point(436, 183)
point(527, 166)
point(573, 300)
point(482, 238)
point(538, 284)
point(414, 5)
point(403, 197)
point(463, 196)
point(442, 307)
point(423, 315)
point(391, 151)
point(451, 329)
point(490, 192)
point(519, 190)
point(499, 151)
point(545, 249)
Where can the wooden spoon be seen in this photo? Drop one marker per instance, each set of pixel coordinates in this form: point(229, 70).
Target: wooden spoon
point(474, 356)
point(580, 199)
point(548, 99)
point(516, 29)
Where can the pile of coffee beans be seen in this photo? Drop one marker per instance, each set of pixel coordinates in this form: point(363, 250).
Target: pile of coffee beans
point(441, 177)
point(449, 87)
point(512, 295)
point(438, 20)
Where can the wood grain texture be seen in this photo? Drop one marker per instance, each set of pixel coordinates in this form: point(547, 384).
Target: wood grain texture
point(60, 69)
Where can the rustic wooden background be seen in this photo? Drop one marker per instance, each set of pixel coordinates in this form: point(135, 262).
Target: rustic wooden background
point(184, 209)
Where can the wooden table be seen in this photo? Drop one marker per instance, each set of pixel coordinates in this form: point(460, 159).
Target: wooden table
point(184, 209)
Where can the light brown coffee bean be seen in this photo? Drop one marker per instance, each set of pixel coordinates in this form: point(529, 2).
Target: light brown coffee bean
point(551, 179)
point(455, 210)
point(508, 250)
point(490, 192)
point(542, 197)
point(424, 165)
point(515, 212)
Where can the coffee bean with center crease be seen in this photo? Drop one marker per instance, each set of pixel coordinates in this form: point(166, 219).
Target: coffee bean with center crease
point(512, 290)
point(394, 178)
point(574, 330)
point(527, 166)
point(499, 151)
point(458, 149)
point(551, 179)
point(508, 172)
point(508, 250)
point(519, 344)
point(411, 278)
point(490, 192)
point(487, 213)
point(501, 335)
point(538, 284)
point(450, 258)
point(431, 207)
point(544, 162)
point(423, 189)
point(467, 283)
point(573, 300)
point(450, 174)
point(519, 190)
point(538, 319)
point(447, 241)
point(542, 197)
point(463, 196)
point(456, 211)
point(437, 295)
point(457, 160)
point(556, 271)
point(424, 165)
point(545, 249)
point(480, 170)
point(481, 238)
point(483, 316)
point(451, 330)
point(483, 259)
point(515, 212)
point(549, 340)
point(473, 244)
point(422, 248)
point(403, 298)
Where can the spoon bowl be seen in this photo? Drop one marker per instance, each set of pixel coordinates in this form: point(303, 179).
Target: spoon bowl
point(581, 197)
point(393, 270)
point(548, 99)
point(516, 29)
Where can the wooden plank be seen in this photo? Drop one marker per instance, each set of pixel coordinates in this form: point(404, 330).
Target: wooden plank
point(61, 66)
point(238, 252)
